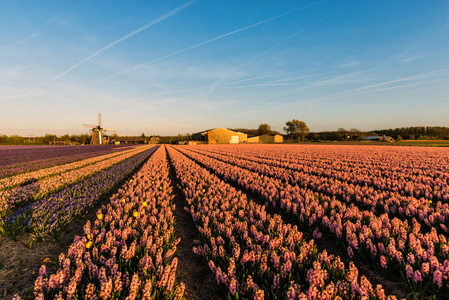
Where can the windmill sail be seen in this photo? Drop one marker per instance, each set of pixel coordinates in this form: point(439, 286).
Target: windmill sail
point(97, 131)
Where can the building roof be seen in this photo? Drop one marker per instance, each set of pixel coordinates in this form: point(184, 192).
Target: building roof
point(377, 137)
point(264, 135)
point(205, 131)
point(132, 138)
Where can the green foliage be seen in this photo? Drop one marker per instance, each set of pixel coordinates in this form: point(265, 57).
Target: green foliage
point(264, 129)
point(296, 130)
point(48, 139)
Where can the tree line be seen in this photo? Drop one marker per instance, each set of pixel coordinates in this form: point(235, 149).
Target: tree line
point(48, 139)
point(418, 132)
point(295, 131)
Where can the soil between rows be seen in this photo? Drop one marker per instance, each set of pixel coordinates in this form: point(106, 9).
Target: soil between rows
point(193, 272)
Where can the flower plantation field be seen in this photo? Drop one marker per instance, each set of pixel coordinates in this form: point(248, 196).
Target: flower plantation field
point(20, 159)
point(43, 206)
point(260, 214)
point(386, 205)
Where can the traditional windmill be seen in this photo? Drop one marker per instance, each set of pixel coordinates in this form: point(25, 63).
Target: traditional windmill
point(97, 132)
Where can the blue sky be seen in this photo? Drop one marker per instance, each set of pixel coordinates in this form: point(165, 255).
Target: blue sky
point(169, 67)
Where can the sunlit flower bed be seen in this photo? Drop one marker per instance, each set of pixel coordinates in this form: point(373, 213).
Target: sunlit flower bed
point(255, 255)
point(391, 239)
point(20, 179)
point(410, 171)
point(129, 251)
point(62, 176)
point(49, 215)
point(432, 213)
point(21, 159)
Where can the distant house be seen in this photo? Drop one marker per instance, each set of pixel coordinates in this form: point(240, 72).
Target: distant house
point(266, 139)
point(220, 136)
point(131, 140)
point(155, 140)
point(378, 138)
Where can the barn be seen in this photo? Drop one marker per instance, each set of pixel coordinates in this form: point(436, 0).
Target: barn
point(220, 136)
point(379, 138)
point(266, 139)
point(131, 140)
point(253, 139)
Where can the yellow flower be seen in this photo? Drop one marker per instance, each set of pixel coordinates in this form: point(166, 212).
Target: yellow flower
point(89, 236)
point(135, 214)
point(144, 203)
point(204, 190)
point(430, 201)
point(47, 260)
point(89, 244)
point(152, 182)
point(100, 217)
point(130, 181)
point(160, 188)
point(123, 200)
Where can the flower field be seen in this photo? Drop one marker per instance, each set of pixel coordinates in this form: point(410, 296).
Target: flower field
point(391, 211)
point(50, 214)
point(259, 213)
point(20, 159)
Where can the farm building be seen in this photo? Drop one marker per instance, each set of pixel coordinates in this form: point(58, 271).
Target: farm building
point(379, 138)
point(220, 136)
point(130, 140)
point(253, 139)
point(266, 139)
point(155, 140)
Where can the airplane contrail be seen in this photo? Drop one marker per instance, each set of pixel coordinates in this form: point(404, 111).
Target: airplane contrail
point(365, 89)
point(21, 41)
point(154, 22)
point(408, 78)
point(278, 82)
point(211, 40)
point(394, 87)
point(317, 83)
point(277, 45)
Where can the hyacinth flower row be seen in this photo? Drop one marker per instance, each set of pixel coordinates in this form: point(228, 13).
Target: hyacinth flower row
point(393, 203)
point(16, 154)
point(254, 255)
point(16, 180)
point(12, 155)
point(50, 215)
point(427, 177)
point(391, 244)
point(129, 251)
point(34, 190)
point(413, 171)
point(15, 160)
point(403, 208)
point(56, 178)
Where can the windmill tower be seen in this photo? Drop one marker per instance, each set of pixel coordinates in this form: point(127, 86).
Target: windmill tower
point(97, 132)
